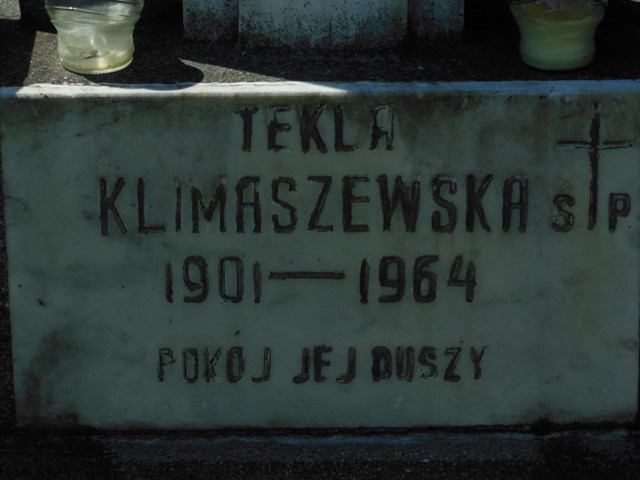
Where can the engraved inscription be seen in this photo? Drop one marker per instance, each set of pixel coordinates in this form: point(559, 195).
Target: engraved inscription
point(376, 364)
point(357, 204)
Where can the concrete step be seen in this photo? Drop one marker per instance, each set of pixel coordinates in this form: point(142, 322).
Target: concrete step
point(590, 454)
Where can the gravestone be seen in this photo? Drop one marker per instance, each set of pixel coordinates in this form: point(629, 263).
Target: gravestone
point(323, 255)
point(188, 256)
point(356, 24)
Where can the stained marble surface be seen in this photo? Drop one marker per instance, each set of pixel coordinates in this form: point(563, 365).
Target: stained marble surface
point(330, 24)
point(388, 254)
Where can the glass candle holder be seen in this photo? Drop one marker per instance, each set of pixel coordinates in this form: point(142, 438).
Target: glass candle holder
point(557, 34)
point(94, 36)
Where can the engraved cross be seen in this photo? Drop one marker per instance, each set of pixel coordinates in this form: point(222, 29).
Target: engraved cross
point(594, 147)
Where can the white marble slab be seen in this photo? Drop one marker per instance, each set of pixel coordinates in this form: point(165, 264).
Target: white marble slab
point(326, 24)
point(107, 194)
point(215, 20)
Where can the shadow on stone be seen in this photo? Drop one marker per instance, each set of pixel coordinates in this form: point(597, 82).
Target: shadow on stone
point(7, 403)
point(15, 57)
